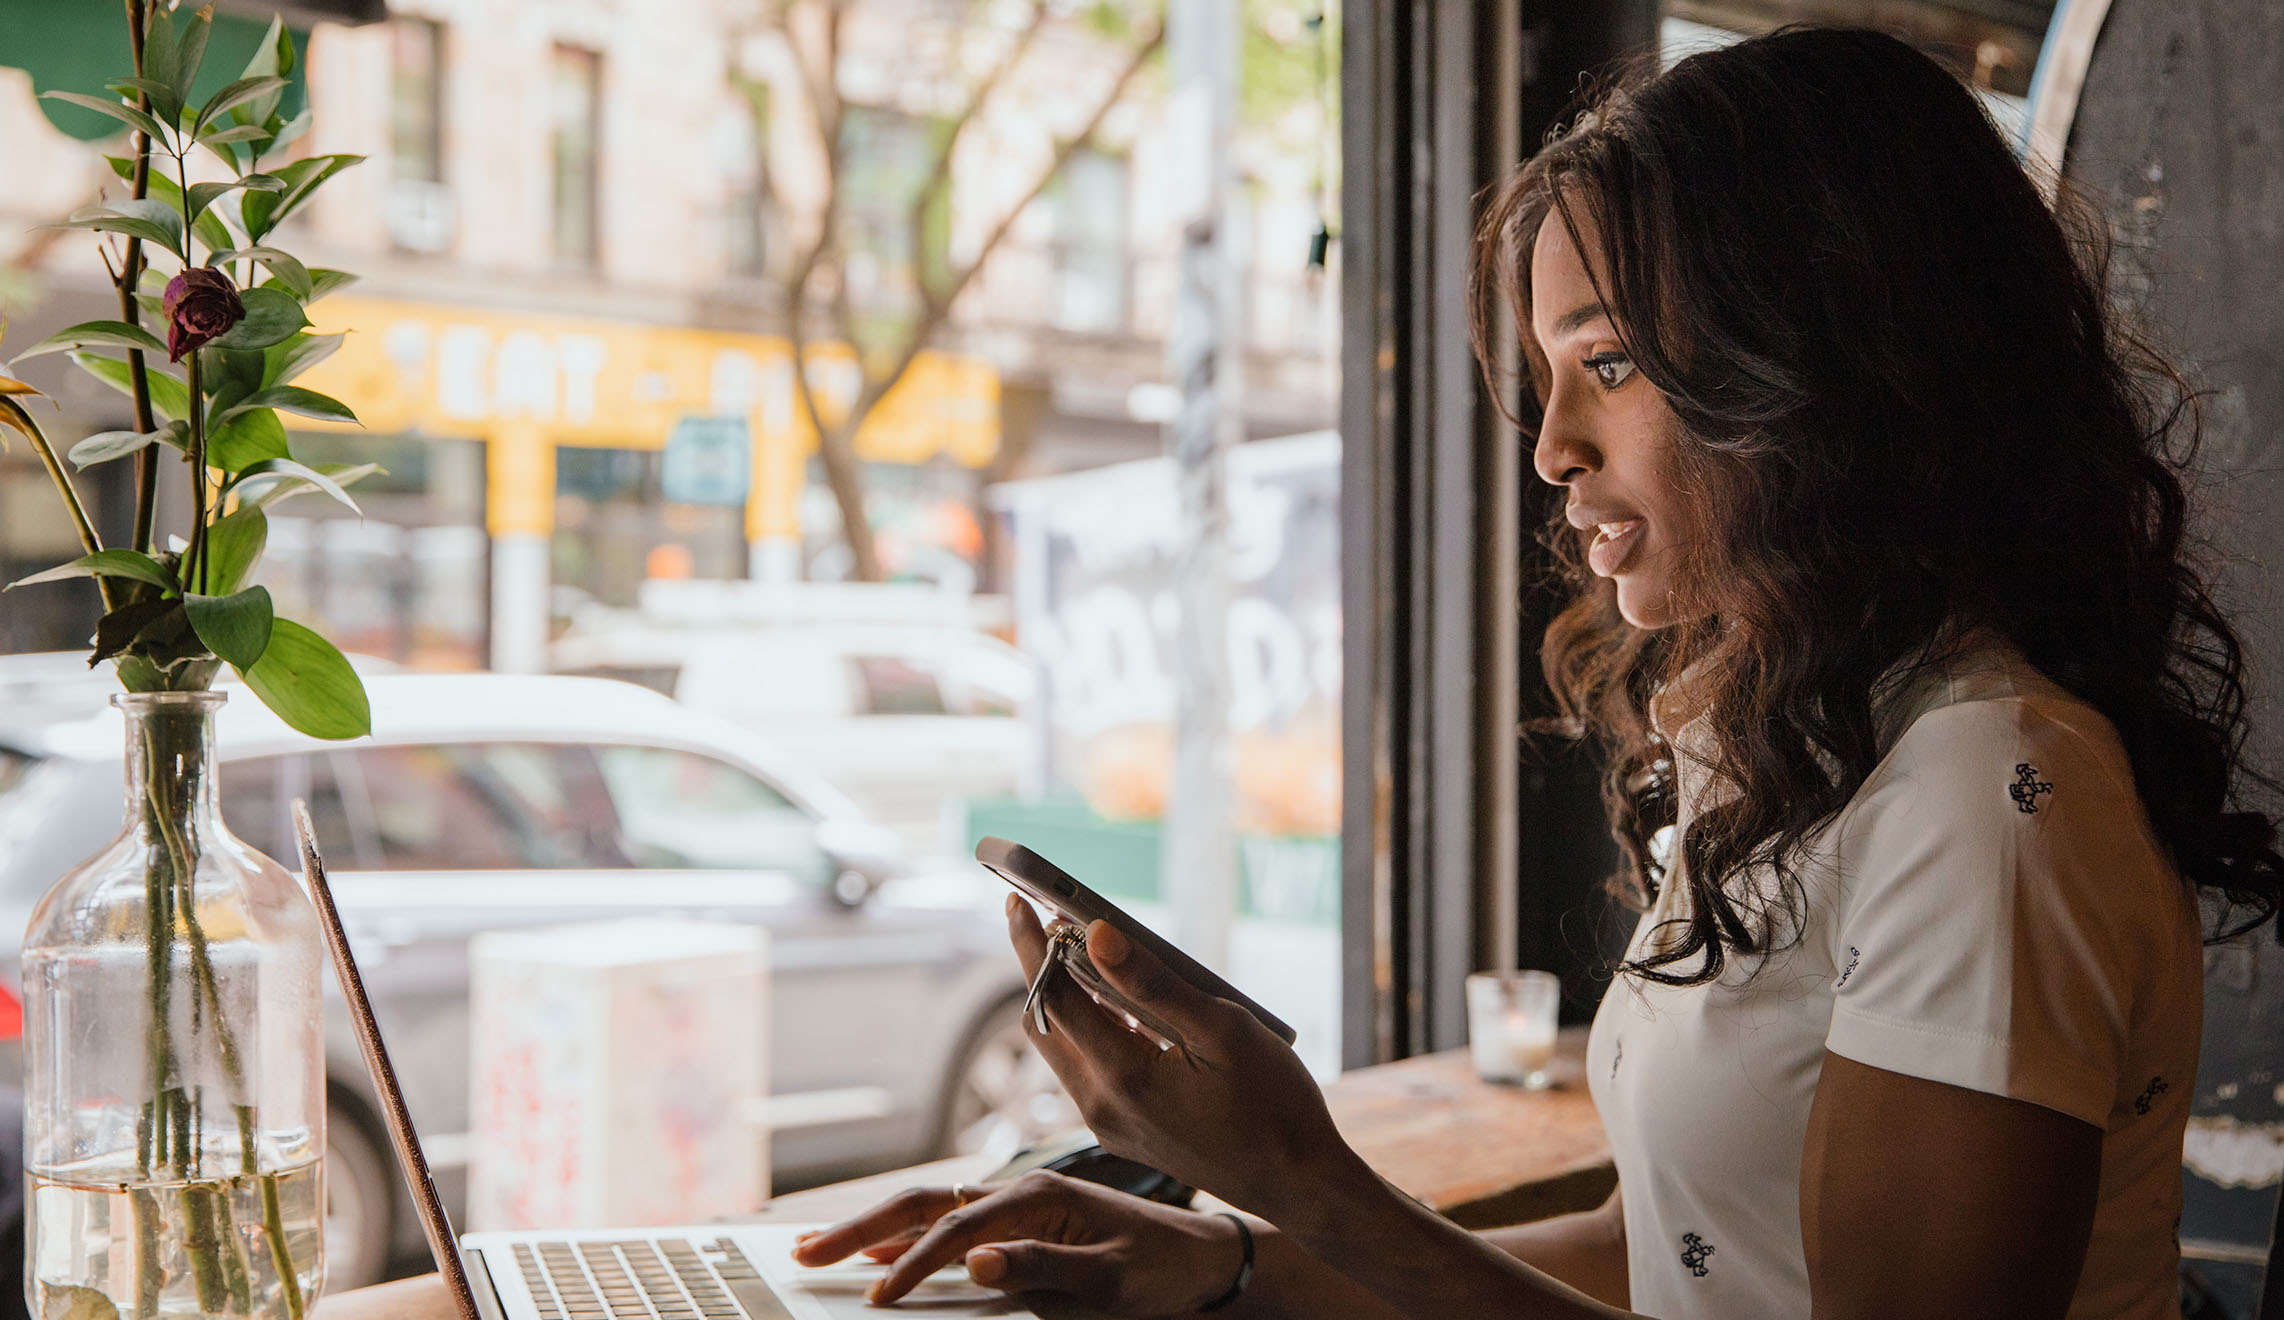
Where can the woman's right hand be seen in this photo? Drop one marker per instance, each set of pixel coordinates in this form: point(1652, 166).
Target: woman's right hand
point(1047, 1233)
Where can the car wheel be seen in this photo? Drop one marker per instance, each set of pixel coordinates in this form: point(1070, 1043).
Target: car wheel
point(1002, 1096)
point(360, 1202)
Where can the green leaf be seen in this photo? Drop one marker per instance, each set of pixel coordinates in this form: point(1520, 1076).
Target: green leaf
point(202, 195)
point(231, 136)
point(104, 446)
point(167, 193)
point(273, 58)
point(305, 403)
point(107, 563)
point(310, 684)
point(154, 621)
point(162, 55)
point(87, 334)
point(235, 627)
point(166, 104)
point(236, 94)
point(297, 355)
point(118, 444)
point(272, 316)
point(240, 366)
point(294, 129)
point(288, 268)
point(267, 482)
point(169, 397)
point(192, 55)
point(233, 546)
point(323, 281)
point(150, 220)
point(246, 439)
point(263, 211)
point(125, 114)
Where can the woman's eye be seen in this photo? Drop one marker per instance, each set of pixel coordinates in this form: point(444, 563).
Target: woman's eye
point(1611, 369)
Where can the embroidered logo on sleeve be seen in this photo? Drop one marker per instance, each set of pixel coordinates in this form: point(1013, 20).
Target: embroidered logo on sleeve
point(1695, 1251)
point(2149, 1094)
point(1850, 969)
point(2027, 787)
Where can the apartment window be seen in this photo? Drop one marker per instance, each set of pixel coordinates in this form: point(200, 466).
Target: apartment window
point(744, 150)
point(1088, 202)
point(416, 100)
point(575, 102)
point(885, 160)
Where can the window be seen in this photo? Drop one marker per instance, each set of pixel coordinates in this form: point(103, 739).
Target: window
point(744, 150)
point(886, 157)
point(892, 685)
point(575, 101)
point(480, 807)
point(681, 810)
point(257, 805)
point(1088, 201)
point(416, 99)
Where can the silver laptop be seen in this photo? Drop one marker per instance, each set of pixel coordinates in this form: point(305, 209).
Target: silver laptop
point(701, 1272)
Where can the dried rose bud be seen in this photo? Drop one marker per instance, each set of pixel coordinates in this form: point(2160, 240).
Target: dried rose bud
point(201, 304)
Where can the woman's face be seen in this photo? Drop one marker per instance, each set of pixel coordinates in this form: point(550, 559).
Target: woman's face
point(1608, 435)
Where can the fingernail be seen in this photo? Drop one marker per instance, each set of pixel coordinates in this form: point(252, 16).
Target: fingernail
point(1012, 900)
point(808, 1237)
point(1105, 947)
point(986, 1265)
point(872, 1294)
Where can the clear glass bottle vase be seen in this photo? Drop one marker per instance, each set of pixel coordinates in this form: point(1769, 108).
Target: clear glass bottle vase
point(174, 1060)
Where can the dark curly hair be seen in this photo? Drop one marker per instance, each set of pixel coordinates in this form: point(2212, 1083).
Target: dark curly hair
point(1901, 385)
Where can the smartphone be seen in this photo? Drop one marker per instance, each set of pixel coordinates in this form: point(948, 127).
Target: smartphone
point(1060, 892)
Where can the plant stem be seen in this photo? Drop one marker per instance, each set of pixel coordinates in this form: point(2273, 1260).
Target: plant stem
point(144, 1205)
point(22, 421)
point(130, 311)
point(194, 559)
point(273, 1227)
point(203, 1245)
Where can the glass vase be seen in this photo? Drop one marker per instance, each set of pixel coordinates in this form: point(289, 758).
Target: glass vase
point(174, 1062)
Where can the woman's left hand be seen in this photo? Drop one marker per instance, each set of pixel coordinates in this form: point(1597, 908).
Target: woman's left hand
point(1231, 1111)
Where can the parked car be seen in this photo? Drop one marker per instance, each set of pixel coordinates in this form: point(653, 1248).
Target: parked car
point(911, 719)
point(484, 802)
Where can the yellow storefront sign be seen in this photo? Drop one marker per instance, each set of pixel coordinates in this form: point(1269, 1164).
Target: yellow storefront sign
point(527, 384)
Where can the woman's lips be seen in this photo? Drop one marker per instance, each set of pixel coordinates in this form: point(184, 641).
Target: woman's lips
point(1613, 544)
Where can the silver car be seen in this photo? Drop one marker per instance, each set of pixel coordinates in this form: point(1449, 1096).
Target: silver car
point(484, 802)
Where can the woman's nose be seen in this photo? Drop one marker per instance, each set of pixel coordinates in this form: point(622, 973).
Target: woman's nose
point(1562, 455)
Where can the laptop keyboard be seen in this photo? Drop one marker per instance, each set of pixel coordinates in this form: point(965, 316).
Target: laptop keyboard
point(646, 1279)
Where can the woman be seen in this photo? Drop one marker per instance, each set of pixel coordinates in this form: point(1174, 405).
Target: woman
point(1885, 612)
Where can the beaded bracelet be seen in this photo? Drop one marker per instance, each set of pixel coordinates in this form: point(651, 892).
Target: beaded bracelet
point(1244, 1271)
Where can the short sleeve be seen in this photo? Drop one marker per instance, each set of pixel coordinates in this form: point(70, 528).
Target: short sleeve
point(2000, 900)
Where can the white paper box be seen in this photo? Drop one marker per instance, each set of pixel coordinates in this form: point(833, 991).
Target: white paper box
point(615, 1069)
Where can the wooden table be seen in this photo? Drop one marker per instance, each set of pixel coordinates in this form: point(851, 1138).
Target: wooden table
point(1484, 1155)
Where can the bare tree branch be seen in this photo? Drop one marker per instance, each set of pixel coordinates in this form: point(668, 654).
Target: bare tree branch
point(936, 305)
point(837, 444)
point(831, 112)
point(940, 169)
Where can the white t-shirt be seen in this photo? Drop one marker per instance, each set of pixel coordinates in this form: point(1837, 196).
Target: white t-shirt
point(1990, 911)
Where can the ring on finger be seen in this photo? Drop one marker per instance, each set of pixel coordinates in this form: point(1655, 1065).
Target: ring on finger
point(959, 1195)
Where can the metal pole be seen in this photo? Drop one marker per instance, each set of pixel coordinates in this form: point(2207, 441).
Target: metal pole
point(1204, 356)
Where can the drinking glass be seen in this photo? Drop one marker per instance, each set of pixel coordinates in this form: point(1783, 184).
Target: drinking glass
point(1510, 1026)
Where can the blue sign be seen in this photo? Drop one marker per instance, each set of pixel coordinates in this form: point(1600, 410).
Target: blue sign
point(708, 460)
